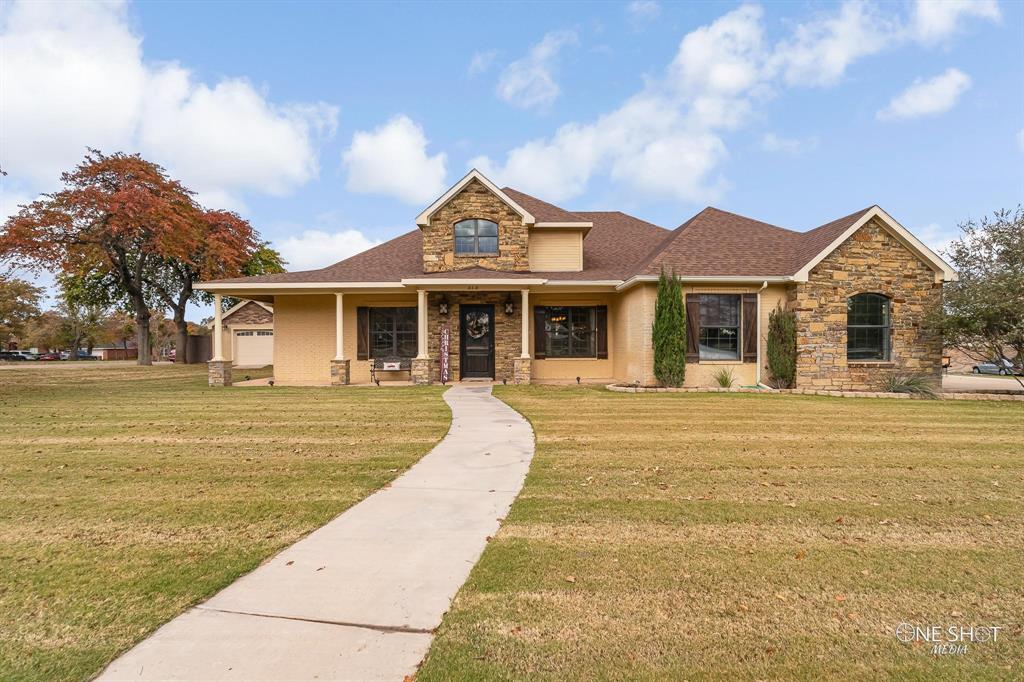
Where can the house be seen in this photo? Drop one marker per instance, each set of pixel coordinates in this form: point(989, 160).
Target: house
point(115, 352)
point(495, 283)
point(247, 334)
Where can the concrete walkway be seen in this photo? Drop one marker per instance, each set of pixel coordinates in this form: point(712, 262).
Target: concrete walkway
point(359, 598)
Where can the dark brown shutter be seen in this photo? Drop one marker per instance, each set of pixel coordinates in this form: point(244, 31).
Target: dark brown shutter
point(693, 328)
point(363, 333)
point(601, 324)
point(749, 320)
point(540, 337)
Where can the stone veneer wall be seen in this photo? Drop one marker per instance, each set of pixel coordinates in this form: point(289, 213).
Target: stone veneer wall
point(250, 313)
point(507, 331)
point(874, 261)
point(475, 201)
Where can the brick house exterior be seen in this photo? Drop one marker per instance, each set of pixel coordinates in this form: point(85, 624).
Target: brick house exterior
point(871, 260)
point(859, 286)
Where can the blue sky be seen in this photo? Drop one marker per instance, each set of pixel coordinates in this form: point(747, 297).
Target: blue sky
point(329, 126)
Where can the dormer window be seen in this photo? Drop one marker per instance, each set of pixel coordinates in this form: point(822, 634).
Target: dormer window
point(476, 237)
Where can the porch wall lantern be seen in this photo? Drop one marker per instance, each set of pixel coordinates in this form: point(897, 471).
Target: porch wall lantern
point(442, 306)
point(510, 305)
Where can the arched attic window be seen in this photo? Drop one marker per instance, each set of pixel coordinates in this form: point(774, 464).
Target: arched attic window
point(868, 327)
point(476, 237)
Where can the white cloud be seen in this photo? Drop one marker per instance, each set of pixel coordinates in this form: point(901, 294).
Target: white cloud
point(935, 237)
point(10, 200)
point(927, 97)
point(667, 140)
point(74, 76)
point(643, 11)
point(530, 82)
point(314, 249)
point(936, 20)
point(481, 62)
point(794, 146)
point(663, 141)
point(392, 159)
point(821, 49)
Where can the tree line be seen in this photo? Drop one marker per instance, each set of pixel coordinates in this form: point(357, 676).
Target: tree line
point(123, 235)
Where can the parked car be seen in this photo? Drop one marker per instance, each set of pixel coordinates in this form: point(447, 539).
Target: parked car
point(49, 356)
point(25, 354)
point(11, 355)
point(1000, 366)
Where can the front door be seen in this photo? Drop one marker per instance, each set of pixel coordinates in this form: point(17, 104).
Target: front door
point(476, 341)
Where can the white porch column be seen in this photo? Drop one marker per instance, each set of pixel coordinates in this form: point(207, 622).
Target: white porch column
point(421, 324)
point(339, 326)
point(218, 330)
point(526, 324)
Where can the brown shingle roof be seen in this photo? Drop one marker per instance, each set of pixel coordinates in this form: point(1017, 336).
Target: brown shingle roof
point(719, 243)
point(716, 243)
point(713, 243)
point(542, 211)
point(815, 241)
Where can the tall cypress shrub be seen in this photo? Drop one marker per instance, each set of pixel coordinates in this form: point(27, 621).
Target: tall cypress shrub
point(782, 346)
point(669, 332)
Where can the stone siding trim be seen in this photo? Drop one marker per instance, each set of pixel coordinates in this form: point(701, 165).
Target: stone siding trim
point(250, 313)
point(219, 372)
point(508, 331)
point(820, 392)
point(872, 260)
point(340, 372)
point(476, 201)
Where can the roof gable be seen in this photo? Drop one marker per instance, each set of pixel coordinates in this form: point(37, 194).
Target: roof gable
point(423, 219)
point(822, 241)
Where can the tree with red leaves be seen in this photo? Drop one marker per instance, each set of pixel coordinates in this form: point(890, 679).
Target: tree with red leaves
point(121, 221)
point(118, 216)
point(225, 245)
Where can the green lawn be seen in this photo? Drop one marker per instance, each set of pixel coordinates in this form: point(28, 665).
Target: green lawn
point(736, 536)
point(128, 493)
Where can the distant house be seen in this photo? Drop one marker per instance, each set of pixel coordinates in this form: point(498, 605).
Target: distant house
point(494, 283)
point(115, 353)
point(248, 334)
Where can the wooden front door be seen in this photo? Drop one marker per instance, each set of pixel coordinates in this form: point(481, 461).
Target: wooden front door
point(476, 341)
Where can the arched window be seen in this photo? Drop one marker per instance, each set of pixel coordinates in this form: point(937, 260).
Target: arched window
point(867, 327)
point(476, 237)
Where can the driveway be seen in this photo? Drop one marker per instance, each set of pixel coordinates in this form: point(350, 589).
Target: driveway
point(979, 382)
point(360, 597)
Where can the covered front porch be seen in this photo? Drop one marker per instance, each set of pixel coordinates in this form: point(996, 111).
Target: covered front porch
point(436, 332)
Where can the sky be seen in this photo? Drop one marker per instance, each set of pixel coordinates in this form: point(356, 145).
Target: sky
point(330, 126)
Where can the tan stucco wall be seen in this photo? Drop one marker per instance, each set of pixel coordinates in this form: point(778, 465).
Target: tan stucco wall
point(570, 368)
point(556, 250)
point(304, 338)
point(632, 323)
point(359, 370)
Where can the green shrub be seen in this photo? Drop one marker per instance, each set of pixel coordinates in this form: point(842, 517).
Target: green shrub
point(724, 378)
point(782, 347)
point(670, 332)
point(919, 384)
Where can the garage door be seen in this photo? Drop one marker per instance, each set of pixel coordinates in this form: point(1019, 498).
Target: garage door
point(254, 347)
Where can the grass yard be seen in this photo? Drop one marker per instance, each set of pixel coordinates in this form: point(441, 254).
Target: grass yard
point(735, 536)
point(129, 493)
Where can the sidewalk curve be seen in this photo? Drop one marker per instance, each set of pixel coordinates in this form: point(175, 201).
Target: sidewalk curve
point(359, 598)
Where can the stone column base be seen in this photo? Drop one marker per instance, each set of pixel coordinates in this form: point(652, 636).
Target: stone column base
point(219, 372)
point(521, 370)
point(339, 372)
point(421, 370)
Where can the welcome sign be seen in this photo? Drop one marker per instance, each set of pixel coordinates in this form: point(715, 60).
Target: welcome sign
point(445, 360)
